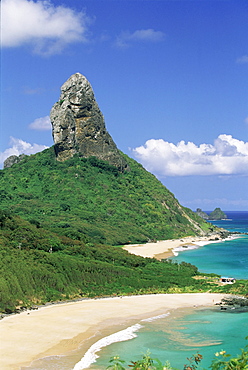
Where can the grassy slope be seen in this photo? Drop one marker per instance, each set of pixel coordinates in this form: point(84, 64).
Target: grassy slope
point(89, 200)
point(30, 274)
point(77, 207)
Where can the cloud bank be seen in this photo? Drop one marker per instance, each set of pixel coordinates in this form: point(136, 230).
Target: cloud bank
point(145, 35)
point(41, 124)
point(207, 203)
point(46, 27)
point(228, 156)
point(18, 147)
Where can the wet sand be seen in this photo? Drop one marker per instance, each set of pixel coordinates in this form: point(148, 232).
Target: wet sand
point(59, 329)
point(164, 249)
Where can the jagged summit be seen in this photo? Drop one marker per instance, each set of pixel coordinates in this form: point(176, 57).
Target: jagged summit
point(13, 159)
point(78, 124)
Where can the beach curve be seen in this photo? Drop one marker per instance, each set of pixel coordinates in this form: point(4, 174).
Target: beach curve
point(168, 248)
point(54, 329)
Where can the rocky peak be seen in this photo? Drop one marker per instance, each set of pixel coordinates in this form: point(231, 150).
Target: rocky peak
point(13, 159)
point(78, 125)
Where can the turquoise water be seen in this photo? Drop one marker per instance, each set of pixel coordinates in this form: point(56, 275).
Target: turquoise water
point(171, 338)
point(229, 258)
point(205, 331)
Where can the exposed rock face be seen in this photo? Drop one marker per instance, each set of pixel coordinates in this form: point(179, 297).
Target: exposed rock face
point(215, 215)
point(79, 127)
point(202, 214)
point(13, 159)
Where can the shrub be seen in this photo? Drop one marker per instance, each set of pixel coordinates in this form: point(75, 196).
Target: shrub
point(222, 361)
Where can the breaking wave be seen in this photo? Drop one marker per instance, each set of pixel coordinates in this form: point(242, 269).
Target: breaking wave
point(91, 356)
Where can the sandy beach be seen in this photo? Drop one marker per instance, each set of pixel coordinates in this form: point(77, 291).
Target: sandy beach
point(61, 328)
point(164, 249)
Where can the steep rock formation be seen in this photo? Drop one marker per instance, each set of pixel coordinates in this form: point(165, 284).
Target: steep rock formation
point(202, 214)
point(13, 159)
point(215, 215)
point(78, 125)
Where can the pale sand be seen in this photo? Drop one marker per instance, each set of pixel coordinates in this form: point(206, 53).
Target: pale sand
point(60, 328)
point(164, 248)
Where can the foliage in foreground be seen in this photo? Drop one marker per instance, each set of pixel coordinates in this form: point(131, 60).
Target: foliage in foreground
point(222, 361)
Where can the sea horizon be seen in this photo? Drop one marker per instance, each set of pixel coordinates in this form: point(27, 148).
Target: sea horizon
point(230, 256)
point(187, 328)
point(171, 336)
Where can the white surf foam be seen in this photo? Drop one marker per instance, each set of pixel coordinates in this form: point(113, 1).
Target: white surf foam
point(184, 248)
point(150, 319)
point(198, 244)
point(91, 356)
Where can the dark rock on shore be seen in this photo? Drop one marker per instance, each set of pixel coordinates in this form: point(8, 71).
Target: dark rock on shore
point(236, 301)
point(234, 304)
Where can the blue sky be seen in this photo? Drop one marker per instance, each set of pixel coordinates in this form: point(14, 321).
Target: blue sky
point(171, 78)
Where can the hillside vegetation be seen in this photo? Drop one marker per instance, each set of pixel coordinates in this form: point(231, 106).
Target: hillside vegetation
point(91, 201)
point(58, 221)
point(31, 275)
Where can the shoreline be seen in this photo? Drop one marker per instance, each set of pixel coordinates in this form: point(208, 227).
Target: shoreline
point(60, 329)
point(169, 248)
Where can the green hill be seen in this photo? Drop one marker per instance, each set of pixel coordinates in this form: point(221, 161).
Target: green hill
point(217, 214)
point(63, 210)
point(88, 199)
point(31, 275)
point(59, 219)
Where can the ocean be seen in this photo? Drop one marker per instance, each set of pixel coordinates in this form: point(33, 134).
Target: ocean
point(228, 258)
point(177, 337)
point(179, 334)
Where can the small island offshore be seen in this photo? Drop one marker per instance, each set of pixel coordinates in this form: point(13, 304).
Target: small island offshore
point(215, 215)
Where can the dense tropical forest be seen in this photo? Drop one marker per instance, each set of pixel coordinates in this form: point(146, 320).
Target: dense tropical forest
point(58, 221)
point(89, 200)
point(31, 275)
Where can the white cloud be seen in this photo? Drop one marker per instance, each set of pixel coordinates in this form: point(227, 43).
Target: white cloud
point(246, 120)
point(243, 59)
point(41, 124)
point(228, 156)
point(148, 35)
point(46, 27)
point(217, 202)
point(18, 147)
